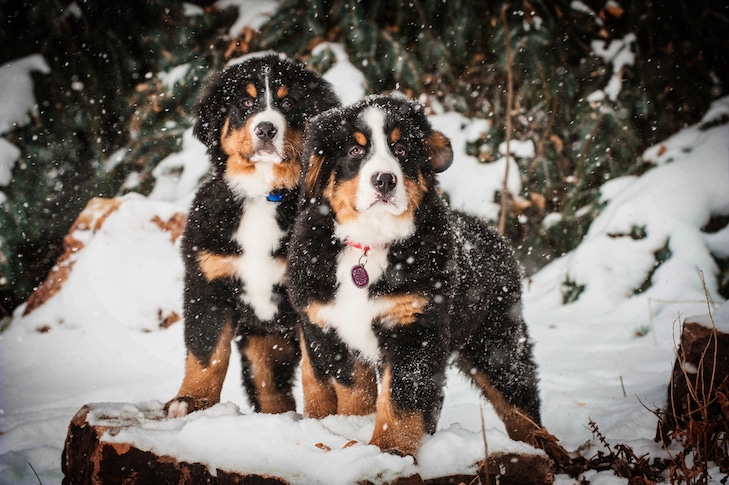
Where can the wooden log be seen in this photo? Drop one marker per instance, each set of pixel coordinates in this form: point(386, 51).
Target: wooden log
point(90, 457)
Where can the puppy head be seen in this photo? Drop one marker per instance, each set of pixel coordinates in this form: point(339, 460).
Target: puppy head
point(255, 111)
point(373, 160)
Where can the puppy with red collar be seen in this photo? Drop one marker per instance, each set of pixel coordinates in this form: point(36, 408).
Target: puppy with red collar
point(391, 283)
point(251, 118)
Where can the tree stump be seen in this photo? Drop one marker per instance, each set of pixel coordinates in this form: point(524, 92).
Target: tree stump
point(699, 380)
point(90, 456)
point(697, 415)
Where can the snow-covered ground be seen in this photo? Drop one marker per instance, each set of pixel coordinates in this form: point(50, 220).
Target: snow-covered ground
point(606, 357)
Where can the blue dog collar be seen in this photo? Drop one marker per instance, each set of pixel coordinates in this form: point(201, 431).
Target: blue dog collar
point(274, 196)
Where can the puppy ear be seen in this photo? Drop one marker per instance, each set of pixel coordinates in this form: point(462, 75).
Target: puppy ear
point(210, 112)
point(439, 151)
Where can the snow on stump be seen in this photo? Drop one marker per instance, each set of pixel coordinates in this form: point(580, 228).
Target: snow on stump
point(137, 444)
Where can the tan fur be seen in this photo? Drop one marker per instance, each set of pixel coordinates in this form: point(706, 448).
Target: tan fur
point(215, 266)
point(202, 383)
point(359, 399)
point(239, 147)
point(360, 138)
point(518, 426)
point(439, 151)
point(395, 135)
point(395, 429)
point(282, 92)
point(342, 196)
point(251, 90)
point(414, 191)
point(264, 353)
point(312, 174)
point(286, 174)
point(320, 397)
point(403, 309)
point(312, 311)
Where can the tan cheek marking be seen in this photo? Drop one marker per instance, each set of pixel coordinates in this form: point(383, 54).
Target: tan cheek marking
point(360, 398)
point(360, 138)
point(203, 382)
point(265, 353)
point(239, 146)
point(282, 92)
point(215, 266)
point(395, 429)
point(320, 397)
point(286, 175)
point(251, 90)
point(312, 174)
point(403, 309)
point(342, 196)
point(414, 191)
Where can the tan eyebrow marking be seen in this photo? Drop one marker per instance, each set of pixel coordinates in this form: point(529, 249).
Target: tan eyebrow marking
point(360, 138)
point(251, 90)
point(282, 92)
point(395, 135)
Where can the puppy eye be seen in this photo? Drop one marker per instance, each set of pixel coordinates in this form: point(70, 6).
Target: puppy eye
point(400, 151)
point(248, 102)
point(287, 103)
point(356, 151)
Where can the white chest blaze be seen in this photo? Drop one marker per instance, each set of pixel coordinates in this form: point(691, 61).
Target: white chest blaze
point(352, 312)
point(259, 235)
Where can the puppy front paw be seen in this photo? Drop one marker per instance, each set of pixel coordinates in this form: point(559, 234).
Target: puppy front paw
point(181, 406)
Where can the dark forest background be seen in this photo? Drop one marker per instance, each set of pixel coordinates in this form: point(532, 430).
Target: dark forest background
point(103, 96)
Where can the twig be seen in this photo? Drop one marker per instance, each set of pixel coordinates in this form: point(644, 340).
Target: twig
point(509, 104)
point(485, 466)
point(34, 473)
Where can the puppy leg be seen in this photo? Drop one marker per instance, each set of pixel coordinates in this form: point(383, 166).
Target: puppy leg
point(204, 378)
point(519, 422)
point(414, 359)
point(320, 396)
point(357, 395)
point(498, 358)
point(397, 430)
point(269, 363)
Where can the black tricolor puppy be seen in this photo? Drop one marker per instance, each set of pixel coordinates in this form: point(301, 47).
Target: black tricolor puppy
point(251, 118)
point(391, 282)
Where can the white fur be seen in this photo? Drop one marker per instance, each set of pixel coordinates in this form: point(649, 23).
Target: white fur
point(252, 185)
point(177, 409)
point(274, 117)
point(381, 160)
point(375, 228)
point(259, 235)
point(352, 311)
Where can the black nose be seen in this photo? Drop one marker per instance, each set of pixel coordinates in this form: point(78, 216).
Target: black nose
point(384, 182)
point(265, 131)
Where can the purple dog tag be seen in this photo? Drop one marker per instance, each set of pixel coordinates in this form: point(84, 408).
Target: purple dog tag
point(360, 278)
